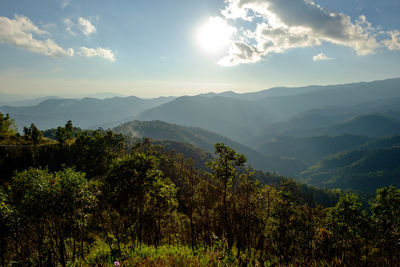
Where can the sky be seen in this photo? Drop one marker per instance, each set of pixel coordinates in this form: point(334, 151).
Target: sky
point(187, 47)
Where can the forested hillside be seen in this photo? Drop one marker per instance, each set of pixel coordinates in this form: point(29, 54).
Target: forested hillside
point(361, 170)
point(296, 156)
point(205, 140)
point(88, 198)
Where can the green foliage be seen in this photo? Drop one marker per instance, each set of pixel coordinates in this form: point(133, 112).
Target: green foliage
point(386, 221)
point(347, 224)
point(91, 152)
point(141, 195)
point(64, 133)
point(225, 171)
point(358, 170)
point(7, 126)
point(7, 224)
point(55, 207)
point(97, 203)
point(176, 256)
point(100, 253)
point(33, 133)
point(203, 139)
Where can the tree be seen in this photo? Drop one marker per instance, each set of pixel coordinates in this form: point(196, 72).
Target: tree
point(94, 151)
point(140, 193)
point(33, 133)
point(64, 133)
point(7, 215)
point(386, 216)
point(51, 208)
point(225, 171)
point(346, 222)
point(281, 227)
point(7, 126)
point(69, 129)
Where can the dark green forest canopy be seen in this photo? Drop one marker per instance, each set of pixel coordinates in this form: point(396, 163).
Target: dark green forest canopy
point(90, 198)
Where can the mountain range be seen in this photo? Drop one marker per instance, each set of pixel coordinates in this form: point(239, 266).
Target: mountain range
point(297, 132)
point(85, 113)
point(241, 117)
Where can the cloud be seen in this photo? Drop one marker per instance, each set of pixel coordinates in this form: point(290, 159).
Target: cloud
point(86, 26)
point(322, 56)
point(97, 52)
point(19, 32)
point(285, 24)
point(68, 26)
point(65, 3)
point(82, 25)
point(240, 53)
point(49, 26)
point(394, 42)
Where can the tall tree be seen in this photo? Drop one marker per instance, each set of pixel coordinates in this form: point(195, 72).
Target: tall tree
point(137, 189)
point(225, 171)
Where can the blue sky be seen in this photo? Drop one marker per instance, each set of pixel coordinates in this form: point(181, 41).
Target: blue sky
point(186, 47)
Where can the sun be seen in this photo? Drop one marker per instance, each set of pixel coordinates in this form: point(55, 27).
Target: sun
point(214, 35)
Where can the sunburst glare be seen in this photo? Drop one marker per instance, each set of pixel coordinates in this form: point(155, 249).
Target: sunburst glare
point(215, 35)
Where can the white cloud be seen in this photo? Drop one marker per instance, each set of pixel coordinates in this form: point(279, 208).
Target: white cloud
point(240, 53)
point(65, 3)
point(82, 25)
point(286, 24)
point(19, 32)
point(69, 25)
point(394, 43)
point(322, 56)
point(97, 52)
point(86, 26)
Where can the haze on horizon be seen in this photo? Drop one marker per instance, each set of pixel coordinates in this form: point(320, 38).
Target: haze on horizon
point(188, 47)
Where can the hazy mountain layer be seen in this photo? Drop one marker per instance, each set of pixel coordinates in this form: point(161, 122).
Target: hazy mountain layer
point(311, 149)
point(243, 120)
point(241, 117)
point(85, 113)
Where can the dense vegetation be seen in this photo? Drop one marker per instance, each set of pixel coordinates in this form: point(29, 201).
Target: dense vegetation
point(350, 162)
point(372, 165)
point(159, 130)
point(90, 199)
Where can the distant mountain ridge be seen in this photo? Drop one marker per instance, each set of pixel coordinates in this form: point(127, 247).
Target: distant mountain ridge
point(372, 125)
point(85, 113)
point(242, 120)
point(238, 116)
